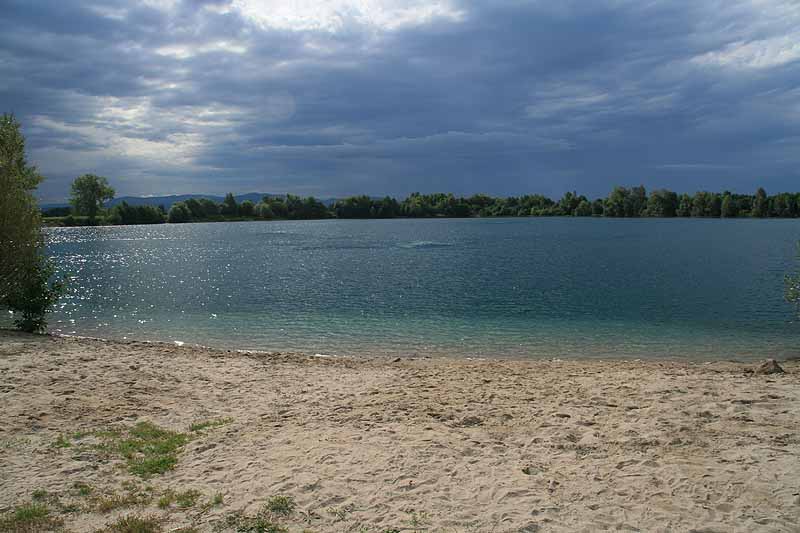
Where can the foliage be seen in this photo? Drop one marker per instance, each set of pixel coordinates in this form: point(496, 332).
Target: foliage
point(30, 518)
point(206, 424)
point(135, 524)
point(147, 449)
point(124, 214)
point(229, 207)
point(280, 505)
point(625, 202)
point(88, 193)
point(25, 272)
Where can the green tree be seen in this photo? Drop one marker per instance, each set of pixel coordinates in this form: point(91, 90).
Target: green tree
point(616, 202)
point(728, 209)
point(662, 203)
point(247, 208)
point(179, 212)
point(584, 209)
point(88, 194)
point(25, 272)
point(597, 208)
point(229, 206)
point(263, 210)
point(760, 204)
point(684, 206)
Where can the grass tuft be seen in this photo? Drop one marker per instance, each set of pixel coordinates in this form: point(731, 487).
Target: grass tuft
point(111, 501)
point(280, 505)
point(148, 449)
point(258, 524)
point(135, 524)
point(83, 489)
point(184, 500)
point(30, 518)
point(40, 495)
point(62, 442)
point(200, 426)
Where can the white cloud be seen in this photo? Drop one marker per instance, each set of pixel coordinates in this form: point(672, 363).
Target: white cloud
point(331, 15)
point(757, 54)
point(180, 51)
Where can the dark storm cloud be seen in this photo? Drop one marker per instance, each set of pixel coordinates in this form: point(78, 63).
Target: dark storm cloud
point(504, 97)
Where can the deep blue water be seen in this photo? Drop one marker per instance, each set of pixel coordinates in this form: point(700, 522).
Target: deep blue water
point(483, 287)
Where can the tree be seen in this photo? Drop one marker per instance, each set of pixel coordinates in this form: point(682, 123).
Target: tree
point(760, 204)
point(662, 203)
point(247, 208)
point(179, 212)
point(584, 209)
point(88, 194)
point(684, 206)
point(616, 201)
point(25, 272)
point(135, 214)
point(229, 206)
point(728, 209)
point(263, 210)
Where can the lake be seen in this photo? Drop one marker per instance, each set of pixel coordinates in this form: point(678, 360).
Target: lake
point(540, 287)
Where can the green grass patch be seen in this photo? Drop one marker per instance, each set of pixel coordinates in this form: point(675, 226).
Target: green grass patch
point(62, 442)
point(40, 495)
point(184, 500)
point(82, 489)
point(133, 496)
point(147, 449)
point(134, 524)
point(206, 424)
point(253, 524)
point(30, 518)
point(280, 505)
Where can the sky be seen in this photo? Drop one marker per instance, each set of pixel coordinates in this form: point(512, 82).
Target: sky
point(340, 97)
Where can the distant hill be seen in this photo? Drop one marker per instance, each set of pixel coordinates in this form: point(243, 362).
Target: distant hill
point(167, 201)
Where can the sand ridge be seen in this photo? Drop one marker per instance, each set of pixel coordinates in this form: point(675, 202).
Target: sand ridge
point(375, 444)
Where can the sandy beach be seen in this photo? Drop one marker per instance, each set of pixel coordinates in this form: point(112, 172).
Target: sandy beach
point(329, 444)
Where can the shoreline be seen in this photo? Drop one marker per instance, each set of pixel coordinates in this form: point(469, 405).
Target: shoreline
point(416, 444)
point(368, 355)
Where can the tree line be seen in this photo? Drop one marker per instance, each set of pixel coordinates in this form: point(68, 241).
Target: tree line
point(89, 192)
point(622, 202)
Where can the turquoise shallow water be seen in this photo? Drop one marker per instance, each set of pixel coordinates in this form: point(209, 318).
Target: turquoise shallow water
point(479, 287)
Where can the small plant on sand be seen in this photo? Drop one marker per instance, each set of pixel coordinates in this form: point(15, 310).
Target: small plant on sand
point(200, 426)
point(29, 518)
point(105, 502)
point(134, 524)
point(40, 495)
point(166, 499)
point(184, 500)
point(280, 505)
point(82, 489)
point(218, 499)
point(340, 513)
point(148, 449)
point(417, 521)
point(62, 442)
point(260, 523)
